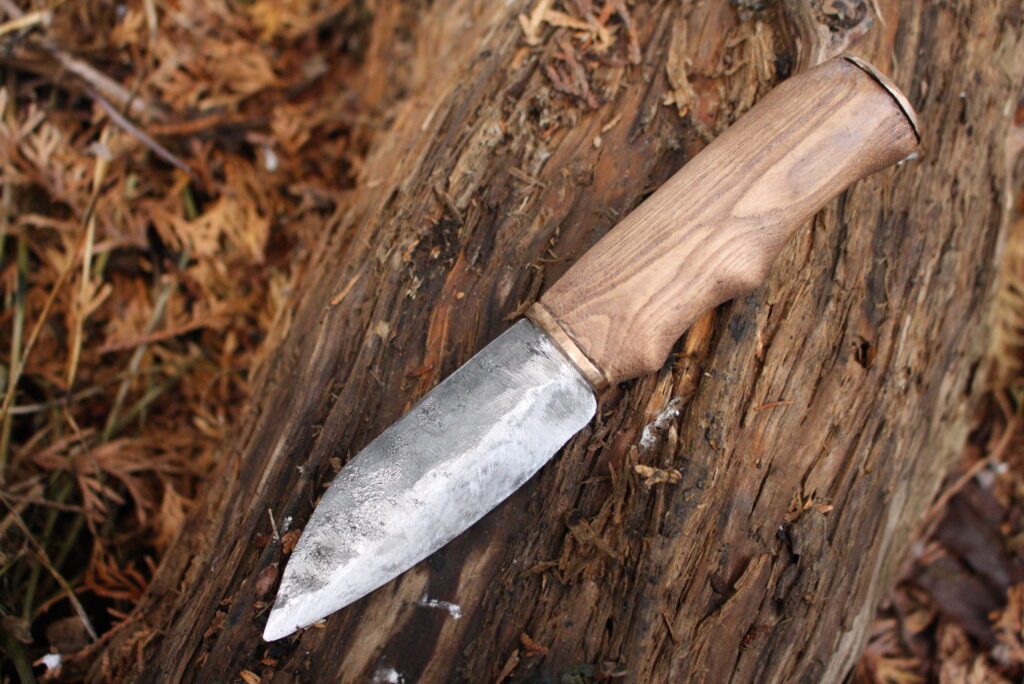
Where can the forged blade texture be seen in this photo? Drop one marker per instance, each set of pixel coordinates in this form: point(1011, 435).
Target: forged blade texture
point(468, 444)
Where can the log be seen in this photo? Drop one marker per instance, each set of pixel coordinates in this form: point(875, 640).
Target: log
point(800, 433)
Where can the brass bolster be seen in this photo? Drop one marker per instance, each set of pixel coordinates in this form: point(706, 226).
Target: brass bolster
point(543, 319)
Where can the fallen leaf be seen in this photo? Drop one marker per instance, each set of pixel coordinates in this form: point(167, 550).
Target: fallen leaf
point(289, 540)
point(249, 677)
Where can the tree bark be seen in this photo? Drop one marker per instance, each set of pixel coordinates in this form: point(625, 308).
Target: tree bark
point(811, 423)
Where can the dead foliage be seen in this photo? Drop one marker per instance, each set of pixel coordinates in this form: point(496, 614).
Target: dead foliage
point(957, 614)
point(165, 168)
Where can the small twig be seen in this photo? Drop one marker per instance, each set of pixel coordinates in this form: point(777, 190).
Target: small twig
point(273, 524)
point(532, 24)
point(188, 127)
point(519, 174)
point(45, 560)
point(612, 123)
point(28, 409)
point(8, 519)
point(773, 404)
point(337, 299)
point(6, 211)
point(124, 344)
point(449, 204)
point(143, 137)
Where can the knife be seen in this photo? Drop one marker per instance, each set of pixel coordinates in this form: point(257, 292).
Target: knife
point(706, 236)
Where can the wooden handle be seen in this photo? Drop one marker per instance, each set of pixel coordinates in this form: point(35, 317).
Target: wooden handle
point(713, 230)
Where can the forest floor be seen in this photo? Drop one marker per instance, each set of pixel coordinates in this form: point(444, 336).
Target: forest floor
point(957, 613)
point(162, 176)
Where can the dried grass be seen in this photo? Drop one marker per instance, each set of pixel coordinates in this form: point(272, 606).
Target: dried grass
point(163, 170)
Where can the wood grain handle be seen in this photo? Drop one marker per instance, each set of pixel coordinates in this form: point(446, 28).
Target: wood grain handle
point(713, 230)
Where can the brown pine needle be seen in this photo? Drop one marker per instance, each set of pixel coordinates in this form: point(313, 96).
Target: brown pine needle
point(85, 291)
point(773, 404)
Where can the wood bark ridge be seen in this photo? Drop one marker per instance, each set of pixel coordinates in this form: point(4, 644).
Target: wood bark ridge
point(802, 430)
point(713, 230)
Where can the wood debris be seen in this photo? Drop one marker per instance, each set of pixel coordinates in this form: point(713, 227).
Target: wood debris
point(570, 77)
point(510, 665)
point(289, 540)
point(586, 34)
point(653, 476)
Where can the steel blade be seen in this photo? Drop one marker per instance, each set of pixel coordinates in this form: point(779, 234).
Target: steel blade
point(468, 444)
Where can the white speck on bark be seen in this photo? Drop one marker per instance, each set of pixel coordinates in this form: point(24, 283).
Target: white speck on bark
point(388, 675)
point(453, 609)
point(52, 661)
point(651, 431)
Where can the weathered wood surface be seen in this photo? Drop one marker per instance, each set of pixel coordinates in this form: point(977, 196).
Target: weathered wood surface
point(811, 422)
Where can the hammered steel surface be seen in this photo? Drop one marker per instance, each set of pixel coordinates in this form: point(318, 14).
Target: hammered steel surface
point(469, 443)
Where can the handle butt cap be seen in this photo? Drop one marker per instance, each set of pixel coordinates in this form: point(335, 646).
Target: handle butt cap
point(892, 89)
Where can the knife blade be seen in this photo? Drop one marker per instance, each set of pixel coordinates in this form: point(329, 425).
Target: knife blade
point(463, 448)
point(707, 235)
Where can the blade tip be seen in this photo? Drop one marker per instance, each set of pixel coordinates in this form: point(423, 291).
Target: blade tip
point(277, 627)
